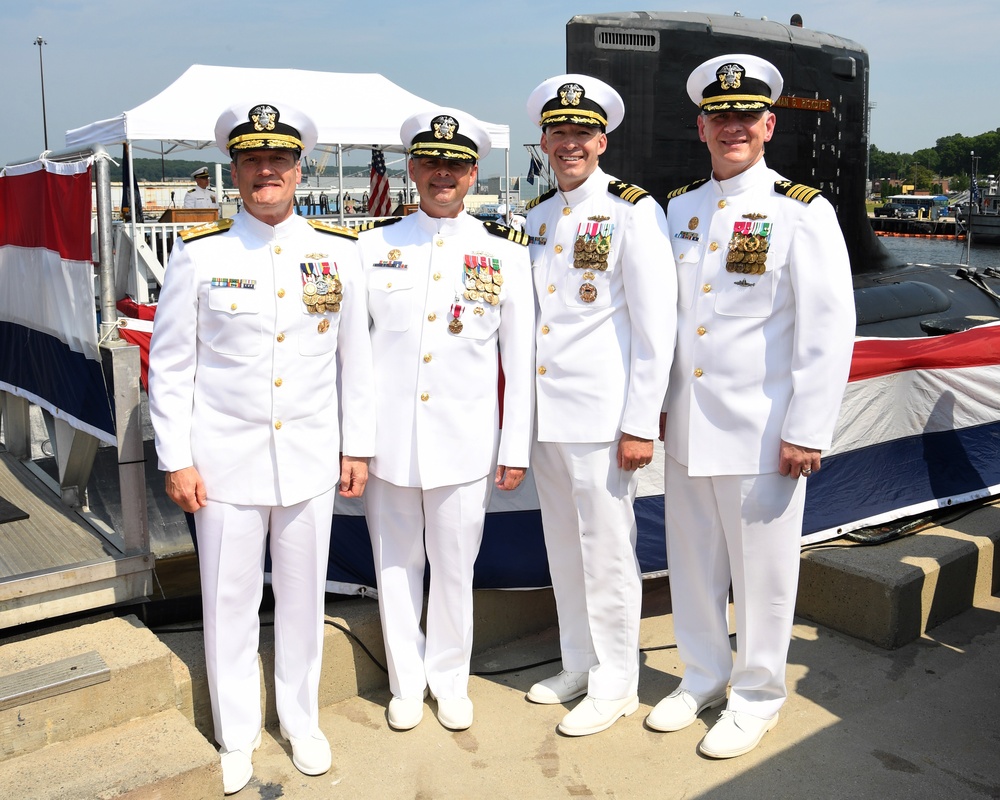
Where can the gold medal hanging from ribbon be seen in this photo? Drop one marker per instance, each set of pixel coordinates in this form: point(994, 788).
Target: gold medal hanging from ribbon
point(455, 326)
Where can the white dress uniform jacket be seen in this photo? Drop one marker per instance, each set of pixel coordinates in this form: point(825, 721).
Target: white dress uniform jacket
point(200, 198)
point(760, 357)
point(436, 390)
point(244, 380)
point(602, 365)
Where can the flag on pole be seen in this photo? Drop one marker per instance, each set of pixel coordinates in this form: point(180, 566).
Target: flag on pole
point(130, 187)
point(974, 191)
point(379, 204)
point(534, 169)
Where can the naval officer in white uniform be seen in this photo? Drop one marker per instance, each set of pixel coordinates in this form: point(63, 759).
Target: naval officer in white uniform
point(447, 294)
point(201, 196)
point(606, 295)
point(261, 318)
point(765, 335)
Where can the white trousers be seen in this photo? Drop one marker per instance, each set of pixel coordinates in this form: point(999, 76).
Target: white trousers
point(747, 530)
point(409, 528)
point(231, 548)
point(589, 526)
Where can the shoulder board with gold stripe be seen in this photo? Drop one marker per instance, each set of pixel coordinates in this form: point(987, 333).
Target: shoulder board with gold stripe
point(505, 232)
point(796, 191)
point(208, 229)
point(335, 230)
point(627, 191)
point(540, 199)
point(376, 223)
point(688, 188)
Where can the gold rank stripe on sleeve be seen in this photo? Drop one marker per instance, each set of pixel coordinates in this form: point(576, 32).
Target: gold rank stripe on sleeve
point(504, 232)
point(335, 230)
point(797, 191)
point(688, 188)
point(627, 191)
point(540, 199)
point(377, 223)
point(208, 229)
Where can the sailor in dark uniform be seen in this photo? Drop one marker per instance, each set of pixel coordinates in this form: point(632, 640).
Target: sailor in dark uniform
point(606, 294)
point(260, 320)
point(765, 335)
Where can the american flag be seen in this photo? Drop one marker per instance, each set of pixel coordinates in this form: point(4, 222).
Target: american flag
point(379, 203)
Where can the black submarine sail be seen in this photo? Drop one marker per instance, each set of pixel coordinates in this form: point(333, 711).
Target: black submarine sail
point(821, 140)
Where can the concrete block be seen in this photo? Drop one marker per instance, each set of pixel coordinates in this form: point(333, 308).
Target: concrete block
point(150, 758)
point(141, 683)
point(891, 594)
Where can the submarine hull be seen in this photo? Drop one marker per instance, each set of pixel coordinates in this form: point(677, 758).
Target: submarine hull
point(821, 140)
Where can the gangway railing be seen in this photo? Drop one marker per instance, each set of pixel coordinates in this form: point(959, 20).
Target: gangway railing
point(75, 450)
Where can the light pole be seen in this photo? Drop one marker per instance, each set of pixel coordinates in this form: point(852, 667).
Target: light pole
point(41, 72)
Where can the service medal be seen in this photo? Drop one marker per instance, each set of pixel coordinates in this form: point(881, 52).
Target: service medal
point(455, 326)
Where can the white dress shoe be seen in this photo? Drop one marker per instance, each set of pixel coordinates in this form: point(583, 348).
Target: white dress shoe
point(310, 754)
point(593, 715)
point(680, 708)
point(455, 713)
point(237, 766)
point(734, 734)
point(405, 712)
point(559, 688)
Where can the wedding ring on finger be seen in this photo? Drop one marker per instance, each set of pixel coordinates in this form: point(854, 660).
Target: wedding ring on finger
point(806, 471)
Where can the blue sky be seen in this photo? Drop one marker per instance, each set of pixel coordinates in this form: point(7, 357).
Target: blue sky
point(932, 71)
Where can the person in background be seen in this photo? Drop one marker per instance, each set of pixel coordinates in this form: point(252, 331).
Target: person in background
point(260, 322)
point(606, 297)
point(447, 295)
point(765, 336)
point(201, 196)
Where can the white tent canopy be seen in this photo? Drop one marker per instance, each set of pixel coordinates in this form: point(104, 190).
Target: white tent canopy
point(350, 109)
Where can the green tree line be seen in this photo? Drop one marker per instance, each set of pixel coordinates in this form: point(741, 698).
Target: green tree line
point(949, 158)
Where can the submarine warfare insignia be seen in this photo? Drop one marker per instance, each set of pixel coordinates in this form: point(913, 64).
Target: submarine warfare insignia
point(322, 290)
point(592, 245)
point(748, 248)
point(482, 279)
